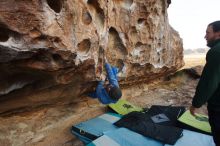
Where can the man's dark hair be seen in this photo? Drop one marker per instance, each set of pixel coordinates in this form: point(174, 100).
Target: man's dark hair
point(115, 93)
point(215, 26)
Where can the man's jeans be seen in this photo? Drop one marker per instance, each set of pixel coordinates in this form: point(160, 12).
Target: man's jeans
point(214, 120)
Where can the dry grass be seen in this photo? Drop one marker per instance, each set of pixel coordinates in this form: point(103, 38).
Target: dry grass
point(194, 60)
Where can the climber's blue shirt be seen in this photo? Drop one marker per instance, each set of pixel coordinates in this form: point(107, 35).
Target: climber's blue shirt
point(101, 92)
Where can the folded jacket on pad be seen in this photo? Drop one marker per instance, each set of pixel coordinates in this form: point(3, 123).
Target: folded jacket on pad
point(141, 123)
point(165, 115)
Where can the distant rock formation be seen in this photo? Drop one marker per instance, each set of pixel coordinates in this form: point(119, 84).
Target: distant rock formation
point(195, 51)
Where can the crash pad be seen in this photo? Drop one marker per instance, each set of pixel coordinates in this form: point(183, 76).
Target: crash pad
point(124, 107)
point(191, 138)
point(91, 129)
point(198, 123)
point(124, 137)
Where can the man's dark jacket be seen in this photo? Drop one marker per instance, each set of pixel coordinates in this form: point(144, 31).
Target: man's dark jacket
point(208, 88)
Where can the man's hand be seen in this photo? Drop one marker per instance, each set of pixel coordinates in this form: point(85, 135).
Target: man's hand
point(192, 110)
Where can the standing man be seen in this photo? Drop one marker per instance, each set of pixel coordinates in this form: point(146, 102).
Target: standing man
point(208, 88)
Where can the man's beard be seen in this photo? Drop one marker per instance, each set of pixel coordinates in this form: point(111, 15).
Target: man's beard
point(211, 43)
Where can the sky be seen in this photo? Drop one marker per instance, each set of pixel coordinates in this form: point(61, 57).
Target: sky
point(191, 17)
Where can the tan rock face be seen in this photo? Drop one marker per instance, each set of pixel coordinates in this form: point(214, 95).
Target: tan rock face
point(59, 42)
point(50, 50)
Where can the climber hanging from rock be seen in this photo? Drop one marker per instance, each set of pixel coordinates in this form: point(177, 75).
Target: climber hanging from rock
point(107, 92)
